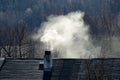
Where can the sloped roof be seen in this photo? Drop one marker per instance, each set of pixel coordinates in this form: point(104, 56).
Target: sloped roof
point(63, 69)
point(86, 69)
point(21, 69)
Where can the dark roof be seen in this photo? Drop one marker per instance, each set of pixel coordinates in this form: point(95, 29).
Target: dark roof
point(21, 69)
point(63, 69)
point(86, 69)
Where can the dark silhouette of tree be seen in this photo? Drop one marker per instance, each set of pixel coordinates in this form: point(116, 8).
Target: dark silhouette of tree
point(7, 40)
point(20, 36)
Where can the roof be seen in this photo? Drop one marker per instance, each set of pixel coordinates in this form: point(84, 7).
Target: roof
point(21, 69)
point(86, 69)
point(63, 69)
point(1, 62)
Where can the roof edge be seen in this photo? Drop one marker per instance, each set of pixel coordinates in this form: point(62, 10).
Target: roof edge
point(2, 62)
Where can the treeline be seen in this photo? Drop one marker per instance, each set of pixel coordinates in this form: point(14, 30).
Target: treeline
point(36, 11)
point(15, 41)
point(105, 33)
point(103, 16)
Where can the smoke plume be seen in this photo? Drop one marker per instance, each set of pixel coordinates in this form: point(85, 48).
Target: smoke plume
point(67, 36)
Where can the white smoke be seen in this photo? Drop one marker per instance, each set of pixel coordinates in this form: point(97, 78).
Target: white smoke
point(28, 11)
point(67, 36)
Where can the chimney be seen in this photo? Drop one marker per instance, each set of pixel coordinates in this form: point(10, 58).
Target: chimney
point(47, 66)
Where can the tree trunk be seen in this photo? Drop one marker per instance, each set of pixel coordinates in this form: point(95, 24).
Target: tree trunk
point(0, 52)
point(20, 52)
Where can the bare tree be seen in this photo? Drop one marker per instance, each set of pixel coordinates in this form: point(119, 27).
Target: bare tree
point(23, 40)
point(110, 29)
point(0, 51)
point(20, 35)
point(15, 41)
point(7, 41)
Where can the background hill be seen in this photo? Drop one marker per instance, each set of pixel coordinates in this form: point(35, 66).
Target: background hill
point(33, 12)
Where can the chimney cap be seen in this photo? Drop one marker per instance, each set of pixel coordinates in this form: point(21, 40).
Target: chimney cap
point(47, 52)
